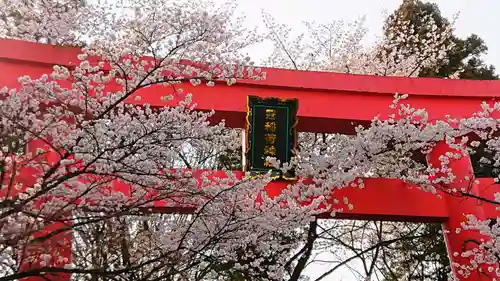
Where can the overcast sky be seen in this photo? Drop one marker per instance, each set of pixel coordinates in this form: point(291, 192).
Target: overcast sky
point(481, 16)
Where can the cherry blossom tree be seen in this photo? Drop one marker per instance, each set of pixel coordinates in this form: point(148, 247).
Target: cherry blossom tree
point(45, 21)
point(338, 47)
point(78, 156)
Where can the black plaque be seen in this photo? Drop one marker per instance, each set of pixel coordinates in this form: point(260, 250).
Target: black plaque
point(270, 132)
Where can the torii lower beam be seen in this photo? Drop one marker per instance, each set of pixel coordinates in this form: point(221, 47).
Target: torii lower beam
point(380, 199)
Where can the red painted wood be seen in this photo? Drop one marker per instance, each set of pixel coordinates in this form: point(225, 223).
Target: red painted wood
point(400, 201)
point(328, 102)
point(487, 189)
point(58, 247)
point(456, 238)
point(48, 54)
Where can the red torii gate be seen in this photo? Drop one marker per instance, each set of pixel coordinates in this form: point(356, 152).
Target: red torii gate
point(330, 103)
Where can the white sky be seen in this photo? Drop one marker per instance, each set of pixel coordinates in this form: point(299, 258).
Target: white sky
point(481, 17)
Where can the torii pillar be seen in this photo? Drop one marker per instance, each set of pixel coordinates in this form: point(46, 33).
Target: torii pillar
point(456, 238)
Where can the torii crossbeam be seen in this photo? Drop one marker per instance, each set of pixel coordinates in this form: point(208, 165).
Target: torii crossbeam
point(329, 103)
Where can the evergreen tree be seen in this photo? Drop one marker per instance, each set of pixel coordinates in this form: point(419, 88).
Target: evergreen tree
point(465, 56)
